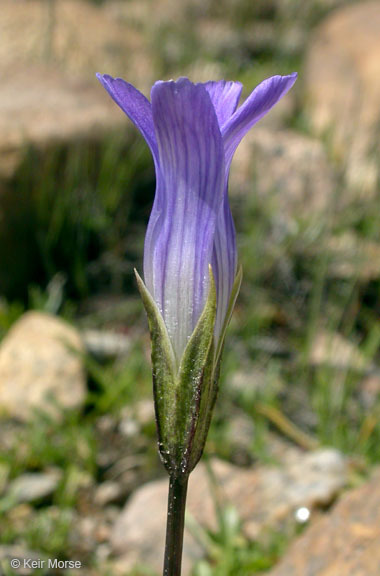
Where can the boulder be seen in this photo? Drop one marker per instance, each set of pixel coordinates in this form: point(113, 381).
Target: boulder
point(41, 368)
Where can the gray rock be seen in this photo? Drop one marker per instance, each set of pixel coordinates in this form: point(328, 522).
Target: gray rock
point(248, 383)
point(41, 367)
point(106, 345)
point(33, 487)
point(134, 418)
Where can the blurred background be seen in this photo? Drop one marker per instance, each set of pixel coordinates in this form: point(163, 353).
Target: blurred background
point(296, 426)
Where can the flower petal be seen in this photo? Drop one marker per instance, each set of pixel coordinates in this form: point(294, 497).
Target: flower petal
point(261, 100)
point(136, 106)
point(224, 261)
point(190, 182)
point(224, 97)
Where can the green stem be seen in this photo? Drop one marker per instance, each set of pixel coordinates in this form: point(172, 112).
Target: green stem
point(175, 525)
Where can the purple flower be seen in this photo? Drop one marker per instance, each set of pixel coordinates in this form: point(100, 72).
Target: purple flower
point(192, 131)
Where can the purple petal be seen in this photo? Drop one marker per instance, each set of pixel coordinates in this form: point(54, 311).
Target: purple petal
point(236, 125)
point(261, 100)
point(224, 97)
point(135, 105)
point(189, 195)
point(224, 261)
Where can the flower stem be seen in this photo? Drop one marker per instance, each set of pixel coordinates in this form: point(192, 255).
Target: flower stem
point(175, 525)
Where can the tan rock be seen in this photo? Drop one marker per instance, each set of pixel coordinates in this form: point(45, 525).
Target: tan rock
point(49, 91)
point(265, 496)
point(351, 256)
point(344, 542)
point(343, 90)
point(39, 106)
point(332, 349)
point(40, 367)
point(306, 11)
point(75, 37)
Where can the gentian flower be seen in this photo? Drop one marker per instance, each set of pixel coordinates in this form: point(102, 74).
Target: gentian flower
point(192, 131)
point(190, 257)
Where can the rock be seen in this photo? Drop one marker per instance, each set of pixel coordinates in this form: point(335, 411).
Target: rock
point(265, 496)
point(108, 493)
point(344, 542)
point(353, 257)
point(106, 345)
point(248, 384)
point(51, 93)
point(343, 91)
point(333, 350)
point(286, 170)
point(306, 12)
point(303, 481)
point(33, 487)
point(136, 417)
point(40, 367)
point(39, 107)
point(91, 531)
point(74, 37)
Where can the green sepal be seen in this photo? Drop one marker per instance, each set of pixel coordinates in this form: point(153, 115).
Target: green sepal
point(231, 305)
point(211, 376)
point(185, 396)
point(194, 380)
point(164, 375)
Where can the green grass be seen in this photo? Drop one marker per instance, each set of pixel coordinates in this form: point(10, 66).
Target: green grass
point(118, 384)
point(76, 212)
